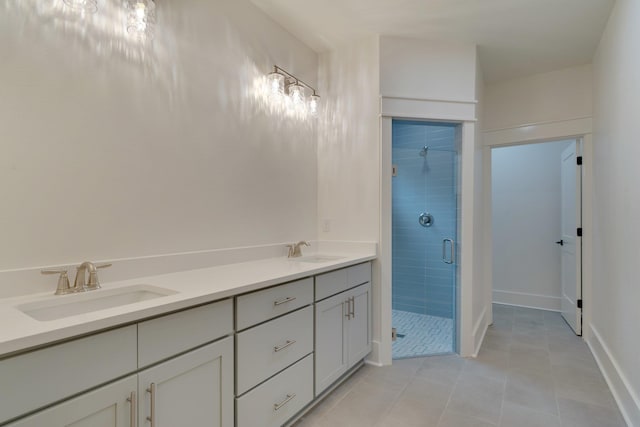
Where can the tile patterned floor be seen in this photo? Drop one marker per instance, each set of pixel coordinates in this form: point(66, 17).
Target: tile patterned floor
point(421, 335)
point(532, 371)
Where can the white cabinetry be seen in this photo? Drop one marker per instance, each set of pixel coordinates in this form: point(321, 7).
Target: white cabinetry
point(195, 389)
point(343, 334)
point(108, 406)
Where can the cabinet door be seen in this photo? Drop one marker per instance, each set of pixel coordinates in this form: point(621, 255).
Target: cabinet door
point(359, 325)
point(107, 406)
point(192, 390)
point(331, 340)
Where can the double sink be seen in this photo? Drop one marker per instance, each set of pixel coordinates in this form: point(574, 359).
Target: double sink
point(59, 307)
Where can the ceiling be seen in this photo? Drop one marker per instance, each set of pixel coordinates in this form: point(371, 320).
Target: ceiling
point(514, 37)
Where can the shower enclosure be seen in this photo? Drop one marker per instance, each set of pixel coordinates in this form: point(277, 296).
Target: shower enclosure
point(424, 225)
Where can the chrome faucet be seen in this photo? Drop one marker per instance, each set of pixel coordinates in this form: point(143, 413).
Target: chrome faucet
point(80, 285)
point(295, 250)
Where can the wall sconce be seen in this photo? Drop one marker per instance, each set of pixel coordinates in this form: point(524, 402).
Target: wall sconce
point(141, 18)
point(89, 6)
point(281, 84)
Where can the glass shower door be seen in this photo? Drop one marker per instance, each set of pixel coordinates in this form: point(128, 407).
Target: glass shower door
point(424, 225)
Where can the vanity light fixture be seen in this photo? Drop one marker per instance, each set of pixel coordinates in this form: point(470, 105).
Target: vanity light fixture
point(314, 100)
point(89, 6)
point(282, 83)
point(141, 18)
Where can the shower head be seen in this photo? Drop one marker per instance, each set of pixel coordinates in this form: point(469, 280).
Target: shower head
point(423, 152)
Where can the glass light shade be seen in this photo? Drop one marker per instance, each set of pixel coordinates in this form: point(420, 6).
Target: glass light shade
point(275, 83)
point(314, 100)
point(90, 6)
point(297, 95)
point(141, 18)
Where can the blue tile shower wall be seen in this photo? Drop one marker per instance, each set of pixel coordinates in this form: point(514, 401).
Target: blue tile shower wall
point(422, 282)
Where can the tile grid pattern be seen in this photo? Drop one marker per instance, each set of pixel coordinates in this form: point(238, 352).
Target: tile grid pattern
point(421, 335)
point(532, 371)
point(422, 283)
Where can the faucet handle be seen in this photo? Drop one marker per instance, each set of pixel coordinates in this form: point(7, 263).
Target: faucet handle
point(63, 280)
point(94, 283)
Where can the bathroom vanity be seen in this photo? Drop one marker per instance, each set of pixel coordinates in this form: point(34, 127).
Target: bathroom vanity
point(255, 354)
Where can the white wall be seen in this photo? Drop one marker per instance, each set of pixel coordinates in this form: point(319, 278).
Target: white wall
point(617, 205)
point(526, 199)
point(111, 150)
point(558, 95)
point(423, 69)
point(348, 143)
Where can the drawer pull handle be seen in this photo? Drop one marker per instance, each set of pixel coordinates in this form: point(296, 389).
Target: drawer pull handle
point(283, 301)
point(282, 347)
point(277, 406)
point(152, 416)
point(132, 414)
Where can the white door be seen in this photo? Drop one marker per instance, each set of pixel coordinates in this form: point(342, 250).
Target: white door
point(192, 390)
point(331, 341)
point(108, 406)
point(571, 245)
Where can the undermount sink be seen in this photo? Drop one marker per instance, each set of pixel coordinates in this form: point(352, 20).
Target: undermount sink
point(317, 258)
point(61, 306)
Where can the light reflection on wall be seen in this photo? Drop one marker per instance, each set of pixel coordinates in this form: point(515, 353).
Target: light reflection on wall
point(102, 34)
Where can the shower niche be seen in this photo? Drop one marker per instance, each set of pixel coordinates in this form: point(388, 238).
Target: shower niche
point(424, 231)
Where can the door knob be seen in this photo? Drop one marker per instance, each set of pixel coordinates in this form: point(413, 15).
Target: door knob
point(560, 242)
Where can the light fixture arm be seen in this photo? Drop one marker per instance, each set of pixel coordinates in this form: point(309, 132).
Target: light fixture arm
point(297, 80)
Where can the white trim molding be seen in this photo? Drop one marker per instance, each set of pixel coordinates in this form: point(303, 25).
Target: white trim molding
point(480, 330)
point(432, 109)
point(538, 132)
point(624, 394)
point(524, 299)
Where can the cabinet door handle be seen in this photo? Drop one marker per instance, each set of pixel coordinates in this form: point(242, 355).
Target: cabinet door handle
point(277, 406)
point(346, 304)
point(283, 301)
point(285, 345)
point(152, 416)
point(353, 307)
point(132, 414)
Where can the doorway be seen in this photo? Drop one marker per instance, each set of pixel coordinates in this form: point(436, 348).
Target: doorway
point(424, 234)
point(536, 225)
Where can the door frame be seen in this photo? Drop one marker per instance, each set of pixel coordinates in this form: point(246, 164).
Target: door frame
point(580, 128)
point(462, 112)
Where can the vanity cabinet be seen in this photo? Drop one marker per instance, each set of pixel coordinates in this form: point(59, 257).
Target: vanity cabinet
point(194, 368)
point(195, 389)
point(343, 323)
point(108, 406)
point(188, 381)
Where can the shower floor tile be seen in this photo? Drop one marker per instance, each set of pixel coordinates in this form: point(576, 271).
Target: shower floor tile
point(421, 335)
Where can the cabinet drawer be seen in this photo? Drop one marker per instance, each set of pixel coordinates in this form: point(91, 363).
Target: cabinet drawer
point(340, 280)
point(165, 336)
point(277, 400)
point(260, 306)
point(36, 379)
point(266, 349)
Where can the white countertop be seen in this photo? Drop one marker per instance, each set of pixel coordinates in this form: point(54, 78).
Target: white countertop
point(19, 331)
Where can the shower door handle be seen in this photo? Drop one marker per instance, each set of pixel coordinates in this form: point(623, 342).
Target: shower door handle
point(452, 252)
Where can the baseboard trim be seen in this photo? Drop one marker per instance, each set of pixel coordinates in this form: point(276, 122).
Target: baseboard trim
point(522, 299)
point(374, 357)
point(478, 338)
point(624, 394)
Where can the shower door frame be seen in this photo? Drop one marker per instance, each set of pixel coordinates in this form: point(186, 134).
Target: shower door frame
point(434, 110)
